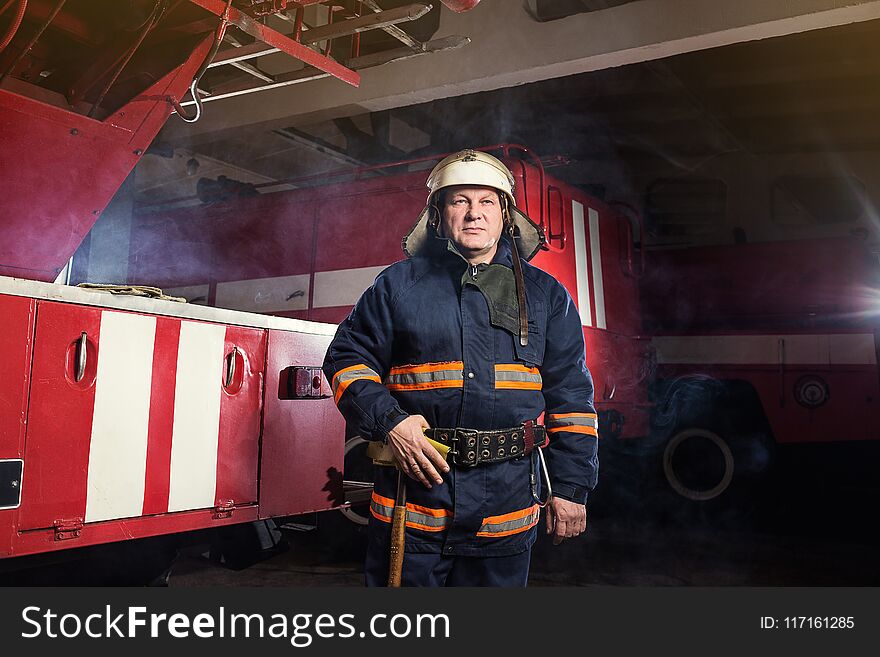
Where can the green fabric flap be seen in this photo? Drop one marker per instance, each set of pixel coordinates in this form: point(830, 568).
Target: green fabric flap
point(498, 286)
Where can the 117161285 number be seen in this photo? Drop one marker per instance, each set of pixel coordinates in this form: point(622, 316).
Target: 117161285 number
point(819, 622)
point(808, 623)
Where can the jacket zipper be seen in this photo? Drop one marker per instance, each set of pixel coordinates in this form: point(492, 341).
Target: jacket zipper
point(474, 272)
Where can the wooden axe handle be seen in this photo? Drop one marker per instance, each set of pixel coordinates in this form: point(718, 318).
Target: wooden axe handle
point(398, 533)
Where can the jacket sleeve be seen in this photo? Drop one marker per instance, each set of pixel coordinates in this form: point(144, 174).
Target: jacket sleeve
point(358, 360)
point(570, 417)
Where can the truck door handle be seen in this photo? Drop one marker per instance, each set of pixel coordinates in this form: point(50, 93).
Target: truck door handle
point(230, 366)
point(81, 355)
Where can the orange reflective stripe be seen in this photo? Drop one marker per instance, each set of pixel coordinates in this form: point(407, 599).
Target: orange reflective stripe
point(346, 376)
point(583, 423)
point(509, 532)
point(516, 368)
point(515, 515)
point(555, 416)
point(425, 528)
point(379, 516)
point(345, 370)
point(384, 501)
point(344, 385)
point(517, 385)
point(510, 523)
point(427, 367)
point(437, 513)
point(427, 376)
point(590, 431)
point(512, 376)
point(417, 516)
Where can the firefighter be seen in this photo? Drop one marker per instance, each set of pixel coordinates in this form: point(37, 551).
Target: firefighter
point(448, 360)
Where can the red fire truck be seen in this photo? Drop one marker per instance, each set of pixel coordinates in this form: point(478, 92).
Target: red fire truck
point(125, 417)
point(758, 345)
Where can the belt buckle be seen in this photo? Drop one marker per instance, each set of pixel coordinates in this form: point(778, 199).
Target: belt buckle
point(467, 450)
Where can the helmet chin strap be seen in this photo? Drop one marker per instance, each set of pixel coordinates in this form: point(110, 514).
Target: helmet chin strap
point(520, 286)
point(517, 273)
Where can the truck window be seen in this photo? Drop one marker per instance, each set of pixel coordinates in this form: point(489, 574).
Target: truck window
point(817, 200)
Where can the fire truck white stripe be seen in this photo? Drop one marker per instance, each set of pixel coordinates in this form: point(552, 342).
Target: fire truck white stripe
point(118, 448)
point(829, 349)
point(596, 257)
point(342, 287)
point(196, 424)
point(580, 263)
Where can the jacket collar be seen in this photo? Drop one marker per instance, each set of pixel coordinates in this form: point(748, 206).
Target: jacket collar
point(443, 247)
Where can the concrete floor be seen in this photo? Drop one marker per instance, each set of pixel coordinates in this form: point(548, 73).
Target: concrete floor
point(815, 524)
point(609, 555)
point(803, 530)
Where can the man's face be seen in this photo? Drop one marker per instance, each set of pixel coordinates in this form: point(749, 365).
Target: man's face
point(472, 219)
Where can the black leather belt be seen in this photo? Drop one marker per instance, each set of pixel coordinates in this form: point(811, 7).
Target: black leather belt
point(470, 447)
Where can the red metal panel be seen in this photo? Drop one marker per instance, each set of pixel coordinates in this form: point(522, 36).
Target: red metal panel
point(15, 351)
point(174, 251)
point(240, 405)
point(243, 239)
point(364, 230)
point(303, 440)
point(849, 414)
point(262, 237)
point(83, 160)
point(121, 530)
point(16, 340)
point(59, 417)
point(824, 282)
point(158, 467)
point(333, 315)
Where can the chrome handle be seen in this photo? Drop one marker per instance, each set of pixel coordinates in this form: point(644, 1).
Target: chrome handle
point(230, 367)
point(81, 352)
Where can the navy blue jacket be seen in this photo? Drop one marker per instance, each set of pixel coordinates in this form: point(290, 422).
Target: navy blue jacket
point(420, 342)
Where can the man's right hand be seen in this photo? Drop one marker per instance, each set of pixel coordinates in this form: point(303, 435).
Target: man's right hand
point(416, 456)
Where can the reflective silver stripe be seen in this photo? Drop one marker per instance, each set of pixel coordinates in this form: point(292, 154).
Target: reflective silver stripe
point(346, 376)
point(572, 421)
point(351, 375)
point(414, 519)
point(505, 375)
point(381, 509)
point(416, 378)
point(509, 526)
point(426, 521)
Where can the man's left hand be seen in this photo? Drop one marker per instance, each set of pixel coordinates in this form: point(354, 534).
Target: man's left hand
point(565, 519)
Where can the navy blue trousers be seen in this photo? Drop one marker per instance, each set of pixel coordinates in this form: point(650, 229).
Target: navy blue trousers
point(434, 569)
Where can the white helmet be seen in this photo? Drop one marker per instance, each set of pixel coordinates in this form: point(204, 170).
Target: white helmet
point(470, 167)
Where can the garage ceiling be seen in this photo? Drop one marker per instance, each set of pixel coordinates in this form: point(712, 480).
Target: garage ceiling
point(812, 91)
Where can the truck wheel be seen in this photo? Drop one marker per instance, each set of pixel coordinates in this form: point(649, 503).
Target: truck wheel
point(343, 533)
point(698, 464)
point(358, 467)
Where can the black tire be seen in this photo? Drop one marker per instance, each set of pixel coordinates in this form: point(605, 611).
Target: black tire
point(344, 532)
point(713, 477)
point(698, 464)
point(358, 467)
